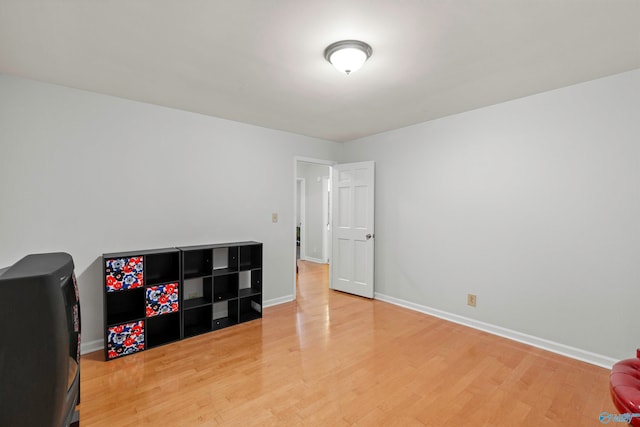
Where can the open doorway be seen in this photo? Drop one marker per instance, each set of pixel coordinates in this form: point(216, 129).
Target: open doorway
point(349, 243)
point(312, 216)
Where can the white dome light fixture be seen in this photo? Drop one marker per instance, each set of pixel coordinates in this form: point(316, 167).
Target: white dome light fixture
point(347, 55)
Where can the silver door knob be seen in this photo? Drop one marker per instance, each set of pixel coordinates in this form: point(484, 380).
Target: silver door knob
point(368, 236)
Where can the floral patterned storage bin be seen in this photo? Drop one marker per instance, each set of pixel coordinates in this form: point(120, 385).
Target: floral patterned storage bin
point(162, 299)
point(124, 273)
point(125, 339)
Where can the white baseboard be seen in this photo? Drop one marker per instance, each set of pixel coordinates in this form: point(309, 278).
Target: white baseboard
point(316, 260)
point(277, 301)
point(91, 346)
point(552, 346)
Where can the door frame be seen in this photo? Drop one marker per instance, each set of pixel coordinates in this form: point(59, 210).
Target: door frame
point(297, 159)
point(326, 218)
point(302, 208)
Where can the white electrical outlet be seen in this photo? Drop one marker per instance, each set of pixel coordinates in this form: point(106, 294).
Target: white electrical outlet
point(471, 300)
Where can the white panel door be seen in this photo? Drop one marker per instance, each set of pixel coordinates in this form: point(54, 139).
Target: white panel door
point(353, 233)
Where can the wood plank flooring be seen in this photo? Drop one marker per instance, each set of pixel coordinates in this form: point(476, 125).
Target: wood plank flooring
point(332, 359)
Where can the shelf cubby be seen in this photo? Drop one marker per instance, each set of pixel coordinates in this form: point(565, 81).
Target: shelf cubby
point(124, 306)
point(250, 257)
point(225, 314)
point(197, 263)
point(197, 292)
point(162, 267)
point(123, 272)
point(162, 299)
point(225, 260)
point(163, 329)
point(123, 339)
point(250, 283)
point(197, 321)
point(250, 308)
point(225, 287)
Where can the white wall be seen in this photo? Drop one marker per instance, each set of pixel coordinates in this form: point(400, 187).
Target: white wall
point(533, 205)
point(314, 195)
point(88, 174)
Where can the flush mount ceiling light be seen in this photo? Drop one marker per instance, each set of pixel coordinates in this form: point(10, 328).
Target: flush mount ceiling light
point(348, 55)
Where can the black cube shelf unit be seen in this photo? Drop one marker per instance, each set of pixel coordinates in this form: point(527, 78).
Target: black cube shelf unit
point(155, 297)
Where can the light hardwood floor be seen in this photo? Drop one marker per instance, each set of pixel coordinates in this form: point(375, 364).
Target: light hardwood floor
point(332, 359)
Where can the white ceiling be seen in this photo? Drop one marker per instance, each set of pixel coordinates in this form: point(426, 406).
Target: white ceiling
point(261, 61)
